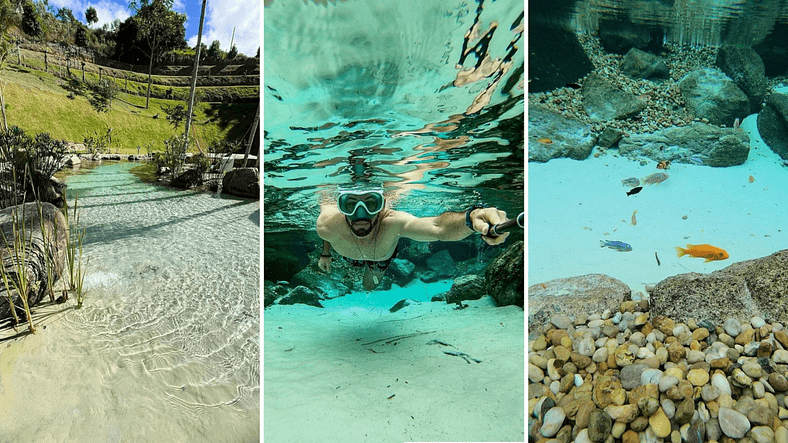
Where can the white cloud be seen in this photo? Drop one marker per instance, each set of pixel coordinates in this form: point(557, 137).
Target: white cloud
point(107, 10)
point(220, 18)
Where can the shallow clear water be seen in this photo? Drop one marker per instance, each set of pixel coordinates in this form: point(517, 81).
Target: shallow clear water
point(167, 343)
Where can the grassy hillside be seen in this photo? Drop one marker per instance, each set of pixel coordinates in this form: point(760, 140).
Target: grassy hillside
point(37, 102)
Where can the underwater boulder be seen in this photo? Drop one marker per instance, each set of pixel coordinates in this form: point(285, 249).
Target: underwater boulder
point(604, 102)
point(641, 65)
point(709, 93)
point(555, 57)
point(322, 283)
point(442, 264)
point(505, 275)
point(741, 291)
point(302, 295)
point(401, 271)
point(745, 67)
point(466, 287)
point(573, 296)
point(35, 261)
point(698, 143)
point(552, 135)
point(773, 124)
point(773, 50)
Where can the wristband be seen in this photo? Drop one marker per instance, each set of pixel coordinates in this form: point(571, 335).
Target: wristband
point(468, 215)
point(325, 256)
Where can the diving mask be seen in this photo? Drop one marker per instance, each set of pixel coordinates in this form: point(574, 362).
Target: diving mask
point(361, 204)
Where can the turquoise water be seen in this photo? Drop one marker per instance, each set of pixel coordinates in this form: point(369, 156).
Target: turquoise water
point(393, 92)
point(166, 347)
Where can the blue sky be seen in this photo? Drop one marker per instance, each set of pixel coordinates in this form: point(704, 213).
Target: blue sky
point(220, 18)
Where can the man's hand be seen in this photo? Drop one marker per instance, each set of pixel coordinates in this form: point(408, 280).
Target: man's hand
point(324, 264)
point(484, 219)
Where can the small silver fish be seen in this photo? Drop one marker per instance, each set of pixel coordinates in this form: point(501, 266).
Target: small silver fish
point(617, 245)
point(631, 182)
point(657, 177)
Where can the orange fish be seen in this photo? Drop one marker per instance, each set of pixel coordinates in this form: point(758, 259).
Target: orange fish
point(752, 179)
point(708, 252)
point(546, 141)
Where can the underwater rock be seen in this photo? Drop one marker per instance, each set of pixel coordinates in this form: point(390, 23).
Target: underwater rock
point(602, 101)
point(401, 271)
point(567, 138)
point(505, 275)
point(710, 94)
point(745, 67)
point(466, 287)
point(574, 296)
point(286, 253)
point(773, 124)
point(555, 57)
point(442, 263)
point(272, 291)
point(416, 252)
point(698, 143)
point(242, 182)
point(303, 295)
point(35, 262)
point(428, 276)
point(741, 291)
point(639, 65)
point(322, 283)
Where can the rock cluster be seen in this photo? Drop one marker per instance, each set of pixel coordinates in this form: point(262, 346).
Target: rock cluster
point(627, 376)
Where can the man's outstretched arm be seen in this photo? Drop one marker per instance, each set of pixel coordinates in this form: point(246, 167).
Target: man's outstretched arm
point(450, 226)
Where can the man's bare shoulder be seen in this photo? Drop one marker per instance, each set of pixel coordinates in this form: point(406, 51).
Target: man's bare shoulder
point(327, 220)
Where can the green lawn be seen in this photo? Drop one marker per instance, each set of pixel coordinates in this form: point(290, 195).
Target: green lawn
point(36, 102)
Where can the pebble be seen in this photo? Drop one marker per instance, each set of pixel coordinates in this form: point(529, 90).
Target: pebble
point(650, 376)
point(660, 423)
point(561, 321)
point(733, 423)
point(780, 435)
point(719, 381)
point(780, 356)
point(732, 327)
point(762, 434)
point(599, 425)
point(757, 322)
point(698, 377)
point(552, 421)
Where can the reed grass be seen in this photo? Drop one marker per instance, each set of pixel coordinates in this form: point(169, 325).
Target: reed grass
point(76, 274)
point(19, 259)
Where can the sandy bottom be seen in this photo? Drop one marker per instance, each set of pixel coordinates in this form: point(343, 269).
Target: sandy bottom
point(575, 204)
point(58, 386)
point(354, 372)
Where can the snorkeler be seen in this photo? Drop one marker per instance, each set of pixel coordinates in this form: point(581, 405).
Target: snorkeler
point(364, 231)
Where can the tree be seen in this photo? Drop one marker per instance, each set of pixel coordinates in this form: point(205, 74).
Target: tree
point(233, 53)
point(91, 16)
point(81, 37)
point(30, 23)
point(258, 53)
point(215, 50)
point(160, 28)
point(66, 16)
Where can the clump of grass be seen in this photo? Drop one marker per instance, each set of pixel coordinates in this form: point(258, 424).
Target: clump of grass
point(20, 284)
point(74, 239)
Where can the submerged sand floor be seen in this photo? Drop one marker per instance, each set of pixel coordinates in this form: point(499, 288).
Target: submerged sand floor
point(356, 372)
point(575, 204)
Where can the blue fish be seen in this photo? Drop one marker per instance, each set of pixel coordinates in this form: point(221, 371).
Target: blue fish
point(617, 245)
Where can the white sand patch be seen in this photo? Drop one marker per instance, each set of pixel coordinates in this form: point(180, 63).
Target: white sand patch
point(356, 372)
